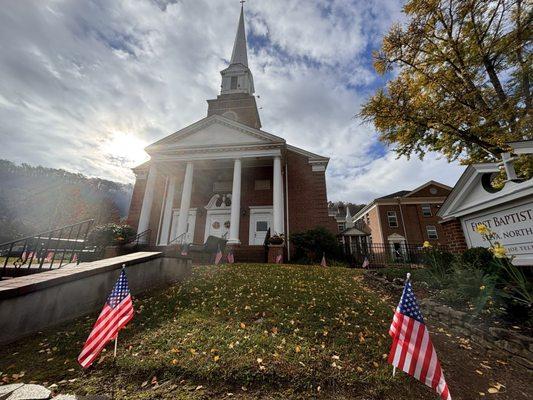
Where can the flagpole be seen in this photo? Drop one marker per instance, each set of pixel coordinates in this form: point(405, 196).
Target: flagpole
point(116, 343)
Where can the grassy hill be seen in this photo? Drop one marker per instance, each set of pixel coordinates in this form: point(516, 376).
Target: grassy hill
point(246, 332)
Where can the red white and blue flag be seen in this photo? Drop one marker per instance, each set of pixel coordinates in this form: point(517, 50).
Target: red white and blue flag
point(231, 257)
point(279, 259)
point(218, 256)
point(366, 263)
point(117, 312)
point(323, 262)
point(412, 350)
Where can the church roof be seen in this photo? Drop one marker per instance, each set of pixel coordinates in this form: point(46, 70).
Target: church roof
point(240, 53)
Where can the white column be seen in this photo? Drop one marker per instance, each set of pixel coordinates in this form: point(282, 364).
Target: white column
point(185, 200)
point(235, 204)
point(148, 199)
point(167, 211)
point(277, 200)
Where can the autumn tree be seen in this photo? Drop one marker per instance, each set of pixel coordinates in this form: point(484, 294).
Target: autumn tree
point(462, 79)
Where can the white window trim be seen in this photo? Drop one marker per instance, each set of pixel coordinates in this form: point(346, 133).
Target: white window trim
point(389, 215)
point(432, 230)
point(430, 212)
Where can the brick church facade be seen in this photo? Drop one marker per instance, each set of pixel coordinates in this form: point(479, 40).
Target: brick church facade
point(224, 176)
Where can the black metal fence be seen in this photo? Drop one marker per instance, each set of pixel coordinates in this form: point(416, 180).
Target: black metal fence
point(379, 255)
point(47, 250)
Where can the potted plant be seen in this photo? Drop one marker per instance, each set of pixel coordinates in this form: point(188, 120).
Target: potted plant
point(276, 239)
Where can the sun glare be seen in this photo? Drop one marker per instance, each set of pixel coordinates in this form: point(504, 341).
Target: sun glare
point(126, 147)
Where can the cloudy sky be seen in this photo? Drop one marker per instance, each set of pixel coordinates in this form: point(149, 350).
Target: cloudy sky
point(85, 85)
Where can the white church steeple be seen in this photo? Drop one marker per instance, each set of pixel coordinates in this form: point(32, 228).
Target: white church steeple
point(237, 78)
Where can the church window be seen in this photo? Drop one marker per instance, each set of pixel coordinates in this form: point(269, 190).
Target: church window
point(262, 184)
point(233, 84)
point(341, 226)
point(261, 226)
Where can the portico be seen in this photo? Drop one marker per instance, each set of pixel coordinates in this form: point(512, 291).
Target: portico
point(219, 196)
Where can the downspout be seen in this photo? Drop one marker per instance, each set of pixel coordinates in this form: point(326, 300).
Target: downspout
point(287, 236)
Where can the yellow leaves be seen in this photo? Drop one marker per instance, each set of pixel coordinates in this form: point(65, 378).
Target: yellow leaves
point(193, 351)
point(495, 388)
point(297, 349)
point(174, 362)
point(359, 369)
point(274, 330)
point(259, 360)
point(216, 358)
point(361, 337)
point(242, 325)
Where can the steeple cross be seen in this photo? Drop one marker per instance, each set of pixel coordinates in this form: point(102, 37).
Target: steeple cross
point(242, 2)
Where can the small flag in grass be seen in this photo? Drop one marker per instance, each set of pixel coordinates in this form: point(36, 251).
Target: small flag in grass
point(323, 262)
point(231, 257)
point(366, 263)
point(218, 256)
point(279, 259)
point(117, 312)
point(412, 350)
point(49, 256)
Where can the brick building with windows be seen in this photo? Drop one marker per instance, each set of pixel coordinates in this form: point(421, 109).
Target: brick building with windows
point(405, 217)
point(223, 176)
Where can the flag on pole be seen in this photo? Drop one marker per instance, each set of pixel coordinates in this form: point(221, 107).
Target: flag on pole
point(117, 312)
point(75, 258)
point(185, 250)
point(412, 350)
point(49, 256)
point(24, 255)
point(279, 259)
point(231, 257)
point(366, 263)
point(323, 262)
point(218, 256)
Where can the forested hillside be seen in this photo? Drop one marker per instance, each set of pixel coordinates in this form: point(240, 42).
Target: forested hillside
point(35, 199)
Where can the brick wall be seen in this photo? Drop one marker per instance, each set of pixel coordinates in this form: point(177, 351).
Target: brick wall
point(455, 238)
point(307, 192)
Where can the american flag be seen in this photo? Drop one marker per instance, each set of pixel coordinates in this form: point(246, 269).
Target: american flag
point(218, 256)
point(412, 350)
point(49, 256)
point(231, 257)
point(117, 312)
point(366, 263)
point(323, 262)
point(279, 259)
point(185, 250)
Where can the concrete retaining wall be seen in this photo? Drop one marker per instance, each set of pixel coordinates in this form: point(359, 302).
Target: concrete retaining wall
point(32, 303)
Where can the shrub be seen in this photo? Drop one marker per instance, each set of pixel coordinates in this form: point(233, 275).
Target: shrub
point(310, 245)
point(110, 234)
point(480, 258)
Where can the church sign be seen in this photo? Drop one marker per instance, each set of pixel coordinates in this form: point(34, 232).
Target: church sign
point(506, 211)
point(512, 227)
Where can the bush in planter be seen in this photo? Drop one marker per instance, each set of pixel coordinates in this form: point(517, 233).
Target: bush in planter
point(310, 245)
point(110, 235)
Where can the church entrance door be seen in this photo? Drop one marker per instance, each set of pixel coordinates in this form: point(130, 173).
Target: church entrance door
point(217, 224)
point(217, 220)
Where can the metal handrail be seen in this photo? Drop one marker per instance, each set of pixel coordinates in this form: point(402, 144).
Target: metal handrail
point(179, 238)
point(138, 237)
point(47, 247)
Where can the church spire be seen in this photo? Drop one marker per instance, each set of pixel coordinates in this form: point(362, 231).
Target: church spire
point(237, 78)
point(240, 53)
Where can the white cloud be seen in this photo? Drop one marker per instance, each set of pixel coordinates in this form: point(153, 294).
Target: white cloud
point(79, 79)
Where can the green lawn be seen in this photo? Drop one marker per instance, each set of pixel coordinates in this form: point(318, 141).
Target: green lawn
point(255, 331)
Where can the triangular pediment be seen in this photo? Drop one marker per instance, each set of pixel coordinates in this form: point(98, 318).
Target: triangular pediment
point(214, 131)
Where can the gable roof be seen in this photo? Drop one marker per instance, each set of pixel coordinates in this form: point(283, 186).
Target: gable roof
point(400, 193)
point(211, 132)
point(425, 185)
